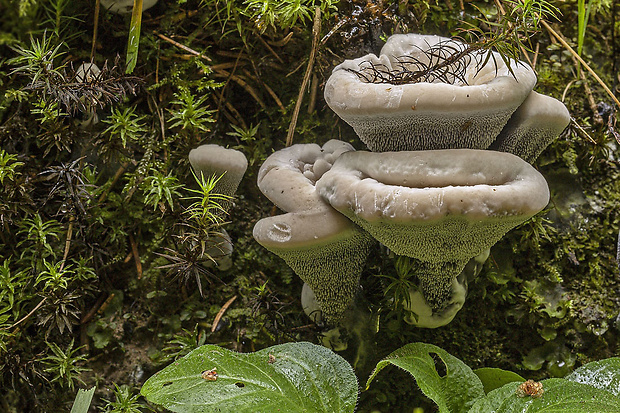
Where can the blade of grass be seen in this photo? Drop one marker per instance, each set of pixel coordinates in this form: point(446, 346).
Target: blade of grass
point(134, 36)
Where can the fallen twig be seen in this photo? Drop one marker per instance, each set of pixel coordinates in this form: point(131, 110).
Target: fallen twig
point(136, 256)
point(220, 313)
point(182, 46)
point(27, 316)
point(576, 55)
point(316, 31)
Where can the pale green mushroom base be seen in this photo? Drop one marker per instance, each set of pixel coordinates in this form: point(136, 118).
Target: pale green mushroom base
point(403, 132)
point(331, 270)
point(443, 246)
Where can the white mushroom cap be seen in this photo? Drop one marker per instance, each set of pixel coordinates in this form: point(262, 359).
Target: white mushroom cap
point(441, 207)
point(537, 123)
point(212, 159)
point(87, 72)
point(416, 116)
point(287, 176)
point(435, 206)
point(125, 6)
point(324, 249)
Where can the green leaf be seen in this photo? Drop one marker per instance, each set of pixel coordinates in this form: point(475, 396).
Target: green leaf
point(82, 400)
point(604, 374)
point(134, 36)
point(292, 377)
point(560, 396)
point(493, 378)
point(455, 391)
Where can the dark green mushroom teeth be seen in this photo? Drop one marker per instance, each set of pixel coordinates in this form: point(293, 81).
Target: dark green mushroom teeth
point(441, 207)
point(535, 124)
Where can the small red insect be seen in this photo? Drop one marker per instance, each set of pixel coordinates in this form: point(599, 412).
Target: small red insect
point(530, 388)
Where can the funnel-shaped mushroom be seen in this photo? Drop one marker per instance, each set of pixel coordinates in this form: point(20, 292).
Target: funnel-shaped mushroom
point(441, 207)
point(325, 249)
point(537, 122)
point(208, 160)
point(462, 103)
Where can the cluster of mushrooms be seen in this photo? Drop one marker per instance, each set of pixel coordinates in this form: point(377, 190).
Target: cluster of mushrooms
point(447, 175)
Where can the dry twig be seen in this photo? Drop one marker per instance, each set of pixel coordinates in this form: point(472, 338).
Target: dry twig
point(220, 313)
point(316, 31)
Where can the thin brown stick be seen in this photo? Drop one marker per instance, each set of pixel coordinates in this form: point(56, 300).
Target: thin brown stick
point(117, 176)
point(274, 96)
point(231, 109)
point(241, 82)
point(136, 256)
point(182, 46)
point(227, 65)
point(267, 88)
point(334, 29)
point(576, 55)
point(273, 52)
point(91, 313)
point(27, 316)
point(67, 242)
point(316, 32)
point(314, 86)
point(582, 131)
point(281, 42)
point(95, 30)
point(220, 313)
point(586, 87)
point(535, 59)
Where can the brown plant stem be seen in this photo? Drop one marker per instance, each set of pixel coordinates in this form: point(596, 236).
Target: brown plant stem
point(576, 55)
point(220, 313)
point(316, 32)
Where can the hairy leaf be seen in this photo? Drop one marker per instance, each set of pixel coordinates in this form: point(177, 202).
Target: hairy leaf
point(560, 396)
point(292, 377)
point(493, 378)
point(454, 387)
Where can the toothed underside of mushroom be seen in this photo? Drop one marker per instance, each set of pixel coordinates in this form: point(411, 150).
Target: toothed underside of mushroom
point(401, 132)
point(452, 238)
point(528, 141)
point(422, 314)
point(535, 124)
point(332, 270)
